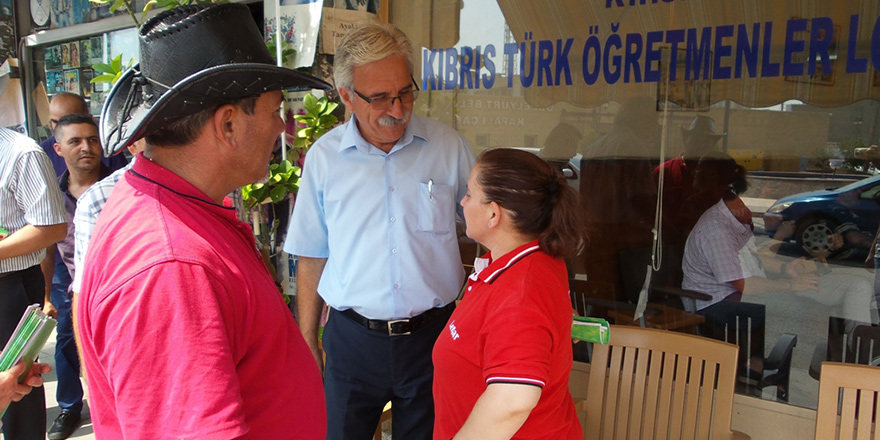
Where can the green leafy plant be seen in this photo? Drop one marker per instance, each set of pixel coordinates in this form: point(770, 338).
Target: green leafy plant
point(283, 180)
point(110, 73)
point(317, 120)
point(286, 50)
point(116, 4)
point(161, 4)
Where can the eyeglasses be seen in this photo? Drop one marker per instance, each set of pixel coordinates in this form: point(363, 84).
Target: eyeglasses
point(382, 103)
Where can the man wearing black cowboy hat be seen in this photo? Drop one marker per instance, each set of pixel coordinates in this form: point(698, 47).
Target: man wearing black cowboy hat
point(183, 332)
point(699, 140)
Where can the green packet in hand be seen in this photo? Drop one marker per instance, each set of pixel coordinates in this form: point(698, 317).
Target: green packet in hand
point(3, 233)
point(588, 329)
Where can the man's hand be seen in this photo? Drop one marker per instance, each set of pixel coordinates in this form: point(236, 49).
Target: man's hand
point(11, 390)
point(50, 310)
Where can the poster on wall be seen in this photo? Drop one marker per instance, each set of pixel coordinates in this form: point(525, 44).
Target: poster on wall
point(73, 49)
point(65, 56)
point(55, 81)
point(52, 57)
point(92, 51)
point(71, 81)
point(300, 20)
point(336, 21)
point(85, 79)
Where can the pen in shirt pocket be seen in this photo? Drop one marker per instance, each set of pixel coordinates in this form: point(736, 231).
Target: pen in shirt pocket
point(431, 189)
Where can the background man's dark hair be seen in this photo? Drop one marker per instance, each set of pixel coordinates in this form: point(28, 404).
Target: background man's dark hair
point(71, 119)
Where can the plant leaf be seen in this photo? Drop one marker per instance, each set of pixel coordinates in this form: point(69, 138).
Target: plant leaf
point(107, 78)
point(327, 120)
point(309, 101)
point(103, 68)
point(147, 7)
point(116, 63)
point(278, 193)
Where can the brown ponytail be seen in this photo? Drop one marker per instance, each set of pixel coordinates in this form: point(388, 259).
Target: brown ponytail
point(539, 201)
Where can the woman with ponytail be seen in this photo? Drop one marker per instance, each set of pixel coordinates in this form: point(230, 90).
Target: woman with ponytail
point(501, 366)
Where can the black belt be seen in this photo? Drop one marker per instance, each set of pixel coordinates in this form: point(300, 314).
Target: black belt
point(398, 327)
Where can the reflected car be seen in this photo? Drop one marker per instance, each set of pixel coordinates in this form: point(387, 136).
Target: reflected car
point(819, 214)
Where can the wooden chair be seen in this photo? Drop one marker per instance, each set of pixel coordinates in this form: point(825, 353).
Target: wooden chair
point(657, 384)
point(848, 403)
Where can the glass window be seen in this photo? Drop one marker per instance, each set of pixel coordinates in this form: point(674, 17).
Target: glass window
point(67, 66)
point(706, 141)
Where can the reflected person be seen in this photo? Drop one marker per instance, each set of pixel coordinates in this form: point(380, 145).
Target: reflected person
point(722, 260)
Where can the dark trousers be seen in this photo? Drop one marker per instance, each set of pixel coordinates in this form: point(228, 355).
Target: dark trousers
point(69, 393)
point(25, 419)
point(366, 369)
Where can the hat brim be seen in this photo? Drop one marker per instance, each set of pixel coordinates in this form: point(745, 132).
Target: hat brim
point(121, 127)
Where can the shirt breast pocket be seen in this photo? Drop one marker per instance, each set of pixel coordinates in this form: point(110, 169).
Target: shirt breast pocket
point(436, 208)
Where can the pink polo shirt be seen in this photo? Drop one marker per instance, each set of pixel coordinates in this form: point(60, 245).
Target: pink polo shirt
point(512, 326)
point(183, 332)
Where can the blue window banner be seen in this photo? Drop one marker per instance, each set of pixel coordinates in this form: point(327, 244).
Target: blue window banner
point(688, 53)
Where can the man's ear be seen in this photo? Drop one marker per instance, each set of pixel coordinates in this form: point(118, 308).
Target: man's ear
point(224, 124)
point(346, 97)
point(57, 147)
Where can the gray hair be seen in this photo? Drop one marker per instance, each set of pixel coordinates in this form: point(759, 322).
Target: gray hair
point(366, 44)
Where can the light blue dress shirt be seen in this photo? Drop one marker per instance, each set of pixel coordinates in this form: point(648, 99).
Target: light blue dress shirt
point(385, 222)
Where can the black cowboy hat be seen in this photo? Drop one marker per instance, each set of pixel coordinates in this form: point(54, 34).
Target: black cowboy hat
point(192, 58)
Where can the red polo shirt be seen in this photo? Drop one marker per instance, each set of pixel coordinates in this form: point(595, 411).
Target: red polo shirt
point(183, 332)
point(512, 326)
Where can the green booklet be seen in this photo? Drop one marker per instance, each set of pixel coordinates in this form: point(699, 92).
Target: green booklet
point(27, 340)
point(588, 329)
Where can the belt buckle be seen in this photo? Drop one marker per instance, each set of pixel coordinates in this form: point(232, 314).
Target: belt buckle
point(391, 331)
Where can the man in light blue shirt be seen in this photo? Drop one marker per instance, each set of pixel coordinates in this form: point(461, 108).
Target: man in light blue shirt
point(374, 229)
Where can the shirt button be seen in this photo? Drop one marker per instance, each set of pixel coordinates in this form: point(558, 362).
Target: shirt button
point(396, 286)
point(394, 251)
point(393, 219)
point(390, 189)
point(470, 288)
